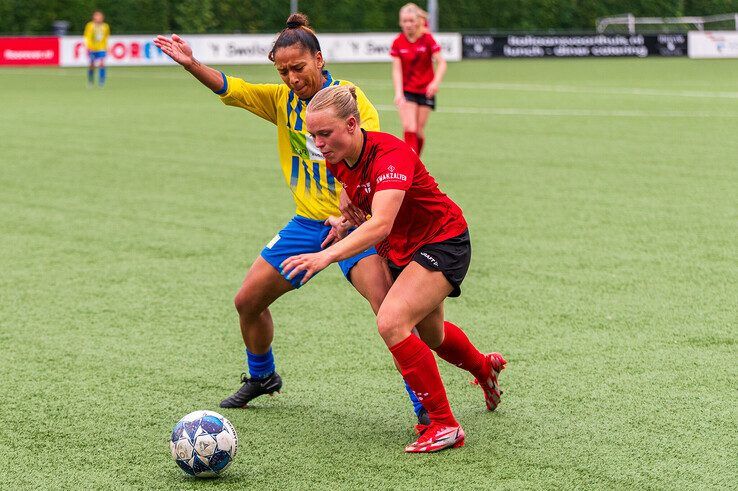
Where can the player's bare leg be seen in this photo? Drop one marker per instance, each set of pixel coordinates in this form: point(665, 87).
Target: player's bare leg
point(409, 119)
point(421, 117)
point(415, 296)
point(408, 116)
point(427, 328)
point(261, 287)
point(372, 279)
point(485, 371)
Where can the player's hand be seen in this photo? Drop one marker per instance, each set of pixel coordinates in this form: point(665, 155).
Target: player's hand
point(176, 48)
point(339, 229)
point(350, 212)
point(399, 100)
point(431, 90)
point(311, 264)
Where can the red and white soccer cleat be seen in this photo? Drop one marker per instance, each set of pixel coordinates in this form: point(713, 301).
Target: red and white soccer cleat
point(420, 428)
point(495, 364)
point(436, 437)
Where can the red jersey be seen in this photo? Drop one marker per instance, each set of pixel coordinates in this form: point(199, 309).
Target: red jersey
point(426, 215)
point(417, 61)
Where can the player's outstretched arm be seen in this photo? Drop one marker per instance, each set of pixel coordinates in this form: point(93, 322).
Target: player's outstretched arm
point(178, 50)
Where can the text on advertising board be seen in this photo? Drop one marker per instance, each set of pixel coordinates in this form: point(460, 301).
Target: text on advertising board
point(29, 51)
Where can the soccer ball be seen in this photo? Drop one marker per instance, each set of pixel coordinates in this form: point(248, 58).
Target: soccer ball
point(204, 443)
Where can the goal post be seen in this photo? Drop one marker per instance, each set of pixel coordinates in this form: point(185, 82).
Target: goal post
point(631, 22)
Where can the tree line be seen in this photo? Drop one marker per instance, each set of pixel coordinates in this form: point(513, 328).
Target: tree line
point(266, 16)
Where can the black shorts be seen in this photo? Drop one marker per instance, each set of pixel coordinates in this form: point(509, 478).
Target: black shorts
point(421, 99)
point(451, 257)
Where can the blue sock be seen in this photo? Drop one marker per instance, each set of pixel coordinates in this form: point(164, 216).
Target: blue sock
point(417, 406)
point(102, 76)
point(91, 75)
point(260, 366)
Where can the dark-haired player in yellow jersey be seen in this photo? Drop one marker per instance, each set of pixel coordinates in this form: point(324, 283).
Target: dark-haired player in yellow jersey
point(96, 35)
point(298, 59)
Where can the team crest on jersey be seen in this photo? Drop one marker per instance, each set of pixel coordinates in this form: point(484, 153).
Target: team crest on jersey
point(367, 187)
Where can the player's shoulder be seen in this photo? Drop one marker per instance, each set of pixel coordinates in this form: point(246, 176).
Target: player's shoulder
point(382, 138)
point(345, 82)
point(385, 145)
point(278, 91)
point(359, 93)
point(340, 81)
point(429, 39)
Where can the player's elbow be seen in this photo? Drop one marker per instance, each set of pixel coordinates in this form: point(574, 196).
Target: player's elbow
point(383, 230)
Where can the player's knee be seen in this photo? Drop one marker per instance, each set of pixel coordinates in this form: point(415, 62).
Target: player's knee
point(386, 326)
point(390, 326)
point(244, 304)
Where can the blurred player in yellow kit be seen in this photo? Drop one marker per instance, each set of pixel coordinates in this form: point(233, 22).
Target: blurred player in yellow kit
point(97, 32)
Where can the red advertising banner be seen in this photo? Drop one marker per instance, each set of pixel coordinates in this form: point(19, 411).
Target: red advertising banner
point(29, 51)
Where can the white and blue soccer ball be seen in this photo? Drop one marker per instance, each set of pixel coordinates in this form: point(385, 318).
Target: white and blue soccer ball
point(204, 443)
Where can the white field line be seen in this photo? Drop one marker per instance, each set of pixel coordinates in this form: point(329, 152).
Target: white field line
point(511, 111)
point(571, 89)
point(494, 86)
point(66, 72)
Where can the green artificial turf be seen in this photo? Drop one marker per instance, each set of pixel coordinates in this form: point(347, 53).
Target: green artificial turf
point(602, 197)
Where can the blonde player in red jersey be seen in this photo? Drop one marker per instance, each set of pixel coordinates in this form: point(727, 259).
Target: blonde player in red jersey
point(423, 236)
point(413, 53)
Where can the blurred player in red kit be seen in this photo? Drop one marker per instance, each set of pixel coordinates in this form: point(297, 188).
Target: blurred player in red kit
point(414, 52)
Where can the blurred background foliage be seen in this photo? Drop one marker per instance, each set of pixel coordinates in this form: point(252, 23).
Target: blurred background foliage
point(252, 16)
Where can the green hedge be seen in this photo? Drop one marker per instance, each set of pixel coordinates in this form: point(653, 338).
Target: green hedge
point(200, 16)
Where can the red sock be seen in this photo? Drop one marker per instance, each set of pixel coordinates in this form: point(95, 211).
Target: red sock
point(419, 369)
point(458, 350)
point(411, 138)
point(421, 141)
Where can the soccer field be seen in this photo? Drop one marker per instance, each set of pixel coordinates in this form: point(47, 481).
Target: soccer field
point(602, 197)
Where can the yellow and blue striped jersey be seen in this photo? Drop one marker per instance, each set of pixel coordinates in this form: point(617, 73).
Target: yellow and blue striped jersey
point(96, 36)
point(314, 188)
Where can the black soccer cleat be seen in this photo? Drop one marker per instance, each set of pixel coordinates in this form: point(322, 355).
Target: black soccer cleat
point(253, 388)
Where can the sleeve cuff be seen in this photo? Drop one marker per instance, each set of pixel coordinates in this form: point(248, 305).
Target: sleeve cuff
point(225, 85)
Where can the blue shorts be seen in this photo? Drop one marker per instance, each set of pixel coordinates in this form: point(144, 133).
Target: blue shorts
point(303, 236)
point(97, 55)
